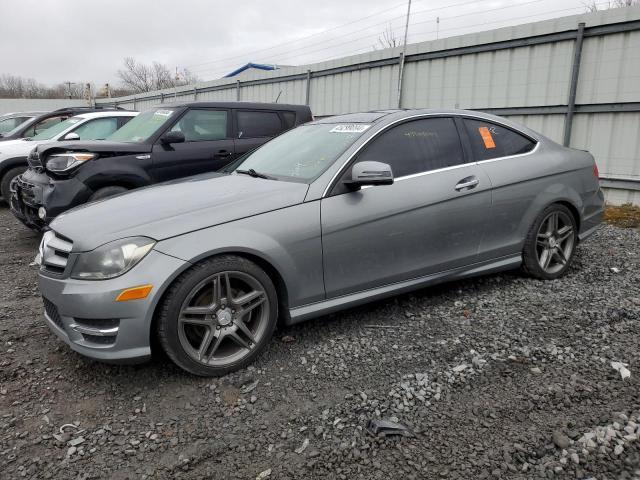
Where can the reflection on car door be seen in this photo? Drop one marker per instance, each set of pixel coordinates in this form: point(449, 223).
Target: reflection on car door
point(431, 219)
point(208, 145)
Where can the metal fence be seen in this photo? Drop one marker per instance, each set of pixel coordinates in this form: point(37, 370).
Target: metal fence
point(575, 79)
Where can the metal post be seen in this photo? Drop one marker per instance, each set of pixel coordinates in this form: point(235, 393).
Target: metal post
point(308, 94)
point(195, 93)
point(162, 98)
point(237, 90)
point(402, 55)
point(134, 102)
point(575, 71)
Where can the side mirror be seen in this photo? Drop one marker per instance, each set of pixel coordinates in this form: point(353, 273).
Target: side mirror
point(370, 173)
point(71, 136)
point(172, 137)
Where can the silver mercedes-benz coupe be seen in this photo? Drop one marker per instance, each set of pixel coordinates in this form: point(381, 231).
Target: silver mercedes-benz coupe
point(332, 214)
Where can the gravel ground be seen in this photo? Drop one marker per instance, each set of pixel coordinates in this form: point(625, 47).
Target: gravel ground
point(498, 377)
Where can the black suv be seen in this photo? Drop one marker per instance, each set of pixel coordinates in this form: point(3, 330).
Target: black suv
point(164, 143)
point(43, 121)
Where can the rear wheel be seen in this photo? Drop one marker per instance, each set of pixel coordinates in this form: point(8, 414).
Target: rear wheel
point(218, 316)
point(550, 244)
point(7, 178)
point(106, 192)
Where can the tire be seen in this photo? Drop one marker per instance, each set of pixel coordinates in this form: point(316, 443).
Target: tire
point(218, 318)
point(558, 238)
point(106, 192)
point(7, 178)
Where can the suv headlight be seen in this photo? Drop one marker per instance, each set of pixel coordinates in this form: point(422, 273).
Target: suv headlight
point(111, 259)
point(63, 162)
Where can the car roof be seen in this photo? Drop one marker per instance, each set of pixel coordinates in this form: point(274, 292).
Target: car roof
point(107, 113)
point(250, 105)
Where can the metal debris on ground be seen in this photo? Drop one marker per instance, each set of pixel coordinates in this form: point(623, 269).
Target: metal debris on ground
point(379, 427)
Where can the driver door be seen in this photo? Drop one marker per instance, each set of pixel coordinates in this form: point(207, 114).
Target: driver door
point(422, 224)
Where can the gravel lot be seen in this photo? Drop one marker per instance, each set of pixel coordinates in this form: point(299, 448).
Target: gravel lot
point(499, 377)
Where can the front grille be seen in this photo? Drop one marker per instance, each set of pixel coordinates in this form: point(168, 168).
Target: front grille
point(54, 252)
point(52, 313)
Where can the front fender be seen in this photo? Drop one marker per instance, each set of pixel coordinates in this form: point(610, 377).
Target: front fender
point(127, 171)
point(289, 240)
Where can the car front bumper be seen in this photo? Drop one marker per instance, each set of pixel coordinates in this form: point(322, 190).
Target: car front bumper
point(33, 190)
point(85, 315)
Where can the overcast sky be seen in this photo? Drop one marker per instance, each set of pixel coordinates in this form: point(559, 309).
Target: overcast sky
point(86, 40)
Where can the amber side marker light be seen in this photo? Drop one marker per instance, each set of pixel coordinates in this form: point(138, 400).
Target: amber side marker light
point(134, 293)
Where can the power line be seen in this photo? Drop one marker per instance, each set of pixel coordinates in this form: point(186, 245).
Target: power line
point(286, 55)
point(219, 62)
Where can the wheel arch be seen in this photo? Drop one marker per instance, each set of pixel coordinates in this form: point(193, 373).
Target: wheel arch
point(13, 162)
point(266, 265)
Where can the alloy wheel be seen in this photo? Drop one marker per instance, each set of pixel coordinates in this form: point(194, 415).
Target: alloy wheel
point(555, 242)
point(223, 318)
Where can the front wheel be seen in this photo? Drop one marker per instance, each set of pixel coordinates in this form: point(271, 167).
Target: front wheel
point(106, 192)
point(7, 178)
point(550, 244)
point(218, 316)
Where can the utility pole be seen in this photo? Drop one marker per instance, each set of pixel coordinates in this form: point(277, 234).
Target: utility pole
point(69, 88)
point(402, 55)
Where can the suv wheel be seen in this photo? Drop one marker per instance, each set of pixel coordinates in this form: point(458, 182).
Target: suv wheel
point(7, 178)
point(550, 244)
point(106, 192)
point(218, 316)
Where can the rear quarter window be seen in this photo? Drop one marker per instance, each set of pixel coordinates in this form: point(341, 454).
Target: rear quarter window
point(258, 124)
point(489, 140)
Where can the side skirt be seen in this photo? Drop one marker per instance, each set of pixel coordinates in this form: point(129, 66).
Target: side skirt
point(305, 312)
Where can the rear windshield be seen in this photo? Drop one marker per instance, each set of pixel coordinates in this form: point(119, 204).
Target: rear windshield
point(144, 126)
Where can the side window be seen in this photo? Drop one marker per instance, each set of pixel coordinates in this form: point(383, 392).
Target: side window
point(97, 129)
point(489, 140)
point(42, 125)
point(417, 146)
point(289, 119)
point(258, 124)
point(202, 125)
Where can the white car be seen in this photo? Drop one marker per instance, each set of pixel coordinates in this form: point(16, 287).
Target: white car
point(87, 126)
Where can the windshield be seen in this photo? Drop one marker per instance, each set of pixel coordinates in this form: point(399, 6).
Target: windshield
point(51, 132)
point(142, 127)
point(303, 153)
point(7, 124)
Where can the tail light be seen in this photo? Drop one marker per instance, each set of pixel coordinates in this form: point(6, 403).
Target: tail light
point(596, 173)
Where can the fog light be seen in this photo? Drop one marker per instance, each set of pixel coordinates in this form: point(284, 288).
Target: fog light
point(42, 213)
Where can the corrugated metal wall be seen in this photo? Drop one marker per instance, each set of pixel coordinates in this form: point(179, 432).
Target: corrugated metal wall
point(522, 72)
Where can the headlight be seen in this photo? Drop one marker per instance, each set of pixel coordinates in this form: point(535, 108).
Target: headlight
point(112, 259)
point(63, 162)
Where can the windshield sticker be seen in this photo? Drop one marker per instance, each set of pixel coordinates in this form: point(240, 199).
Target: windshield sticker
point(350, 128)
point(487, 138)
point(163, 113)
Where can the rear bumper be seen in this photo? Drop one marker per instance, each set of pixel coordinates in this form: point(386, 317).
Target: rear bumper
point(85, 315)
point(33, 190)
point(592, 220)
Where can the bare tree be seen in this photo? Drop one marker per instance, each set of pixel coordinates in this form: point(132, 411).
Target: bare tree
point(594, 6)
point(388, 39)
point(139, 77)
point(136, 76)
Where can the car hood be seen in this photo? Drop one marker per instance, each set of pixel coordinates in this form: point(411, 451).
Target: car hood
point(175, 208)
point(96, 146)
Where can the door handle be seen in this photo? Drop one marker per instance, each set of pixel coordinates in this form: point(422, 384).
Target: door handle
point(222, 154)
point(467, 183)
